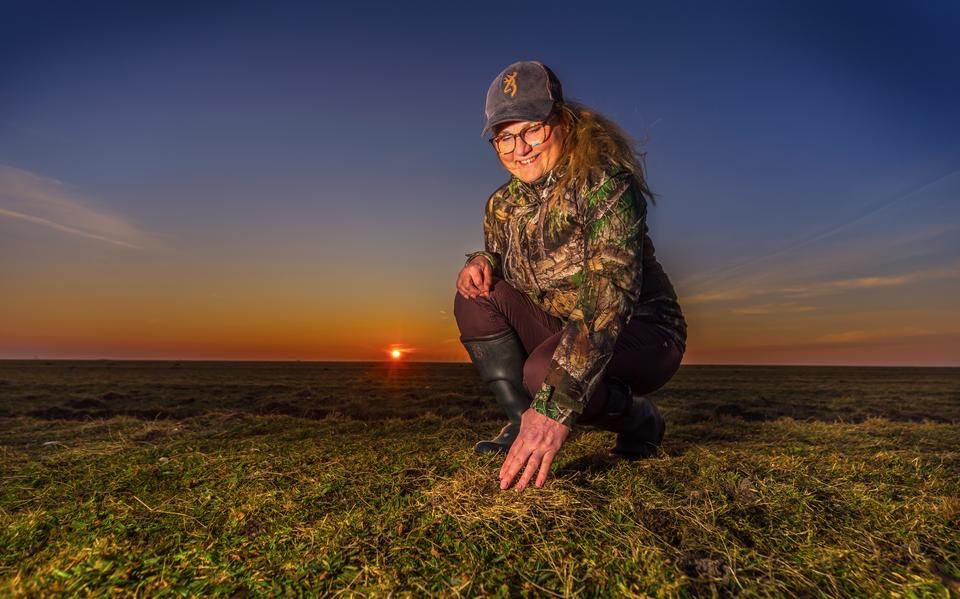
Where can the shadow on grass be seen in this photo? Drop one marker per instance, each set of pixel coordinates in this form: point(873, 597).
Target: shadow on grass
point(592, 464)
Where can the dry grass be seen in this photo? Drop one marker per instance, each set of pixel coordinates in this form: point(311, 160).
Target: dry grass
point(225, 499)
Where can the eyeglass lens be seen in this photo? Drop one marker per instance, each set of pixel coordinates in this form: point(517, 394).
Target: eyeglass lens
point(533, 135)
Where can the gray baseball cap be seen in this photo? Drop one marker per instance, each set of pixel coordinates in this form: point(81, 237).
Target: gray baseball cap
point(524, 91)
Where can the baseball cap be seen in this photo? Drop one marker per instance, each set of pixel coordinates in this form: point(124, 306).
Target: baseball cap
point(524, 91)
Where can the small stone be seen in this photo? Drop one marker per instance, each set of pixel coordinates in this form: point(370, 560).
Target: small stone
point(745, 490)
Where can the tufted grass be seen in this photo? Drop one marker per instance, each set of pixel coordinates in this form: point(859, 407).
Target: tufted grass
point(156, 479)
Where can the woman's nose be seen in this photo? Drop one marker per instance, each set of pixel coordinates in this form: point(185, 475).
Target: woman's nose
point(521, 148)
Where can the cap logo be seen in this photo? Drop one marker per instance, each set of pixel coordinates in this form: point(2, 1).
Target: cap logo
point(510, 84)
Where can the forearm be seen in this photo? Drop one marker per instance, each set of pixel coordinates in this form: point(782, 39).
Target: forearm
point(578, 364)
point(609, 285)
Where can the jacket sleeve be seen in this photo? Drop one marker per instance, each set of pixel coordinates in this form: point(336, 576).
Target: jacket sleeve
point(613, 218)
point(492, 238)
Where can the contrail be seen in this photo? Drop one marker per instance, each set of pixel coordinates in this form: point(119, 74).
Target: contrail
point(869, 210)
point(49, 223)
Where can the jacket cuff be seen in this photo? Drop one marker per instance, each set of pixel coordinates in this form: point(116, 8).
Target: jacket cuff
point(549, 402)
point(490, 258)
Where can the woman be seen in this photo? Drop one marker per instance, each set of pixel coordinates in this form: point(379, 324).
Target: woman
point(566, 313)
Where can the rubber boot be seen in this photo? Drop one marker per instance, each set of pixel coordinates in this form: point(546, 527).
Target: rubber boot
point(499, 359)
point(635, 418)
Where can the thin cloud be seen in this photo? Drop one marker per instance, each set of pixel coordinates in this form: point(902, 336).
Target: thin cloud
point(820, 289)
point(770, 259)
point(843, 337)
point(726, 295)
point(832, 287)
point(761, 309)
point(46, 202)
point(42, 221)
point(861, 336)
point(828, 287)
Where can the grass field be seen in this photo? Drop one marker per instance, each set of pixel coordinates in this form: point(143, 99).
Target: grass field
point(248, 479)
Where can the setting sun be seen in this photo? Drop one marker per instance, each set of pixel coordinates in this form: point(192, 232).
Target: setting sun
point(395, 354)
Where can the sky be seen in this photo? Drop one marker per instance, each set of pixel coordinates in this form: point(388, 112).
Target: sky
point(298, 181)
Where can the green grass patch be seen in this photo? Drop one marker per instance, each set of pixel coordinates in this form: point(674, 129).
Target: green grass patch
point(370, 486)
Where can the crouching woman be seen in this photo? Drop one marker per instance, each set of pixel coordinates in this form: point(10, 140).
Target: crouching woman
point(566, 313)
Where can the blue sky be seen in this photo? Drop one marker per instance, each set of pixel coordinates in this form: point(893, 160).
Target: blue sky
point(296, 164)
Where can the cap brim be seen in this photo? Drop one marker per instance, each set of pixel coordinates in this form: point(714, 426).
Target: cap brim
point(509, 117)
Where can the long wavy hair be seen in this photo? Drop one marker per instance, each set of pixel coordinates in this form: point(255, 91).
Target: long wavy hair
point(592, 142)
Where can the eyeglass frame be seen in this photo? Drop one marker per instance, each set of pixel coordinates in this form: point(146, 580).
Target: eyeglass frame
point(547, 123)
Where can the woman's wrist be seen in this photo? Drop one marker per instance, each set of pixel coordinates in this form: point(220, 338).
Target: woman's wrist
point(484, 254)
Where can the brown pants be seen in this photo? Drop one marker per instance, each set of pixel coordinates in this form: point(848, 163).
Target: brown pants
point(645, 357)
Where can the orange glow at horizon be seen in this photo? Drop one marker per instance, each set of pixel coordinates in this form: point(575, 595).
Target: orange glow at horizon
point(160, 307)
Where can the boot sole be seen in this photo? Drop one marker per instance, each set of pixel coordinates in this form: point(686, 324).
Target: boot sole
point(489, 448)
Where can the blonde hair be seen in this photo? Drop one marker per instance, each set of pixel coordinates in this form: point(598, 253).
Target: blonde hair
point(592, 143)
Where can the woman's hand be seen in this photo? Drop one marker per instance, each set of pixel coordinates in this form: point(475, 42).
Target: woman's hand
point(539, 440)
point(475, 279)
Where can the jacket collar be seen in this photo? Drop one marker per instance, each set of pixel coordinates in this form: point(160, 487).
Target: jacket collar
point(536, 192)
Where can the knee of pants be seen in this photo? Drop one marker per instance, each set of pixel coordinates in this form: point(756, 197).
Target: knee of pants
point(479, 313)
point(470, 314)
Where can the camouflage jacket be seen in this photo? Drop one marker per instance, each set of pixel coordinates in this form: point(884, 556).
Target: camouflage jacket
point(585, 258)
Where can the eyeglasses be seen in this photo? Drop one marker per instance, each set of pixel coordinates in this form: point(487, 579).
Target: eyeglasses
point(532, 135)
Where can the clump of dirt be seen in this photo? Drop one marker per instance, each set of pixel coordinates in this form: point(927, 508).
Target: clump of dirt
point(704, 568)
point(745, 491)
point(251, 528)
point(415, 478)
point(151, 434)
point(280, 407)
point(115, 396)
point(86, 403)
point(738, 412)
point(56, 413)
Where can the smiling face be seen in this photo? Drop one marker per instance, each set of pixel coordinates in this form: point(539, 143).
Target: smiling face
point(530, 163)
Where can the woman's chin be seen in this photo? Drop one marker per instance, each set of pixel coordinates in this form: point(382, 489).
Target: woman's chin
point(528, 175)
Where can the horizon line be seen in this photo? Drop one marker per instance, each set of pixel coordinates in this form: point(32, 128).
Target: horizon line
point(296, 361)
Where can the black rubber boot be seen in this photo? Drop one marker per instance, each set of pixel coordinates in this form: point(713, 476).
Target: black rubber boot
point(499, 359)
point(635, 418)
